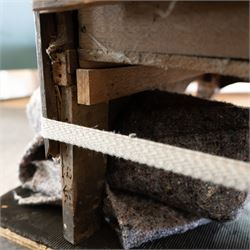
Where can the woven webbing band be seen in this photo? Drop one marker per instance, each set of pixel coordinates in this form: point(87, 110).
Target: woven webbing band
point(206, 167)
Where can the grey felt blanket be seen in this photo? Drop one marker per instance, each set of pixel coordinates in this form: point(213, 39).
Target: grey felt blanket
point(147, 213)
point(40, 175)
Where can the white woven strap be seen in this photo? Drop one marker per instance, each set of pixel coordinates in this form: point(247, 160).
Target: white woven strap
point(206, 167)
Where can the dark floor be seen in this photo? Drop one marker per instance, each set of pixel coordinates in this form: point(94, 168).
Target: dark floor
point(43, 224)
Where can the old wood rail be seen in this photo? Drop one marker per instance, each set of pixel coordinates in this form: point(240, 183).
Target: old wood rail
point(179, 41)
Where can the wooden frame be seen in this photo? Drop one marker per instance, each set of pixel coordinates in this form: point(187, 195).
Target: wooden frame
point(154, 28)
point(102, 85)
point(83, 67)
point(82, 171)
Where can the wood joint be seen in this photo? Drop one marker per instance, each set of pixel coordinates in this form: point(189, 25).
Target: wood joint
point(64, 66)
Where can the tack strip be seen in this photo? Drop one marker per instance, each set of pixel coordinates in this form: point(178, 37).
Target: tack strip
point(209, 168)
point(20, 240)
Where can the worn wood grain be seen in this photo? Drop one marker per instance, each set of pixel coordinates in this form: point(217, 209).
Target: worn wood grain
point(45, 31)
point(83, 171)
point(85, 64)
point(23, 242)
point(61, 66)
point(144, 33)
point(62, 5)
point(230, 67)
point(101, 85)
point(61, 50)
point(215, 29)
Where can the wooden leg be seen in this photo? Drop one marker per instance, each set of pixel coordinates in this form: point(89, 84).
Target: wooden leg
point(83, 171)
point(207, 85)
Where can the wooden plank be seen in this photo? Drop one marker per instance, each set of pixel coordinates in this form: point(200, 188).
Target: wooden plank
point(228, 67)
point(83, 171)
point(65, 5)
point(45, 31)
point(62, 50)
point(85, 64)
point(101, 85)
point(62, 5)
point(64, 66)
point(24, 242)
point(211, 29)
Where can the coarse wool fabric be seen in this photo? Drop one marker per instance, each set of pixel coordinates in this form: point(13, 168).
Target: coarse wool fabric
point(188, 122)
point(36, 173)
point(132, 233)
point(137, 219)
point(41, 176)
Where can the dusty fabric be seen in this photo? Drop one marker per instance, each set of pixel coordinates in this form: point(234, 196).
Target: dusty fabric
point(36, 173)
point(139, 219)
point(213, 127)
point(33, 152)
point(34, 111)
point(188, 122)
point(39, 175)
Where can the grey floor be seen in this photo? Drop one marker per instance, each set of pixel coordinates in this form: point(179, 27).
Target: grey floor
point(15, 133)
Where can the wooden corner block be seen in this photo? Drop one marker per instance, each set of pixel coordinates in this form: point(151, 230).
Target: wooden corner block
point(64, 65)
point(59, 69)
point(82, 81)
point(101, 85)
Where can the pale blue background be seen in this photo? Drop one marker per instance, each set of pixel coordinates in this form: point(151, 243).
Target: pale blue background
point(17, 35)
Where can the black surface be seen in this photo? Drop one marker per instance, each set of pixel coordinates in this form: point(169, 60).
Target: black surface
point(44, 225)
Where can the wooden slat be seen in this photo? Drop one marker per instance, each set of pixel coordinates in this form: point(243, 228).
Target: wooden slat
point(62, 5)
point(101, 85)
point(23, 242)
point(64, 66)
point(45, 31)
point(191, 28)
point(230, 67)
point(211, 29)
point(62, 50)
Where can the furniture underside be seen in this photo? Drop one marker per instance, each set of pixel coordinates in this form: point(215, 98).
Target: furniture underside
point(91, 57)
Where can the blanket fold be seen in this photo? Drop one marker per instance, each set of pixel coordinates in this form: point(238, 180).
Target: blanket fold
point(143, 203)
